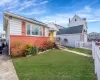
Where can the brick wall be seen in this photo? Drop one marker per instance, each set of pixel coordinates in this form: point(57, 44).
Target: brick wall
point(34, 40)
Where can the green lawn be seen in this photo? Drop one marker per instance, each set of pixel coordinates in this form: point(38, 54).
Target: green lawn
point(81, 50)
point(55, 65)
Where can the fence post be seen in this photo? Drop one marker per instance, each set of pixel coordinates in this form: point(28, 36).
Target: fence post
point(93, 50)
point(98, 63)
point(80, 44)
point(95, 59)
point(75, 44)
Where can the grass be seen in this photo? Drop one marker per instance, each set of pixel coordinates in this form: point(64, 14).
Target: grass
point(55, 65)
point(80, 50)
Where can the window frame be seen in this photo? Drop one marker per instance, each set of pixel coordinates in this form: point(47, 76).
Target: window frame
point(31, 25)
point(26, 30)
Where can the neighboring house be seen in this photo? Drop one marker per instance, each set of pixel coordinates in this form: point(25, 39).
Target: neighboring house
point(76, 31)
point(94, 36)
point(56, 28)
point(2, 36)
point(28, 30)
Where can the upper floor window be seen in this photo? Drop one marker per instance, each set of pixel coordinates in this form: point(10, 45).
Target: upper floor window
point(33, 30)
point(75, 19)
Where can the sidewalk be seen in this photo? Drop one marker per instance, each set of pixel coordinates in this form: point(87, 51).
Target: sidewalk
point(7, 71)
point(79, 53)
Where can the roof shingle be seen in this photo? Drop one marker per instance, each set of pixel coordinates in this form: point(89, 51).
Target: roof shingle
point(71, 30)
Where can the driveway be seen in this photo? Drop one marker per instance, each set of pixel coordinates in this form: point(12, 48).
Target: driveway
point(7, 71)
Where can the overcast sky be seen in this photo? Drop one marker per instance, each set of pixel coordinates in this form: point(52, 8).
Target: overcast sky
point(58, 11)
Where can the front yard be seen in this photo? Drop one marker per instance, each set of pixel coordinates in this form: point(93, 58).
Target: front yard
point(55, 65)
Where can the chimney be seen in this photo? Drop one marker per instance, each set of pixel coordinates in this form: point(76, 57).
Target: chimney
point(69, 20)
point(84, 19)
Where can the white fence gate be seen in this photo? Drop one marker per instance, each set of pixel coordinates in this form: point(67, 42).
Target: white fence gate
point(84, 45)
point(96, 57)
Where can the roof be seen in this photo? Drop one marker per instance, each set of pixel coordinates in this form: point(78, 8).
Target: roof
point(83, 19)
point(52, 29)
point(71, 30)
point(59, 26)
point(24, 18)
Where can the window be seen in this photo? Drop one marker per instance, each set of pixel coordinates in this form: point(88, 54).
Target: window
point(28, 29)
point(40, 31)
point(75, 19)
point(34, 30)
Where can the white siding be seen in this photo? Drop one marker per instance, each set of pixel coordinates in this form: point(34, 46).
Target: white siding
point(46, 32)
point(76, 23)
point(85, 37)
point(15, 27)
point(51, 25)
point(71, 39)
point(54, 34)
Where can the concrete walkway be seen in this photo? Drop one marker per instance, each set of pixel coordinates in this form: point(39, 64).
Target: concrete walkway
point(79, 53)
point(7, 71)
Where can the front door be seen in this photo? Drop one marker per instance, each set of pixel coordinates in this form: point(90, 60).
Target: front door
point(51, 35)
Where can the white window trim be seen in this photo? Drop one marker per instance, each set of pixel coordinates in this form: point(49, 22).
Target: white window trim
point(31, 30)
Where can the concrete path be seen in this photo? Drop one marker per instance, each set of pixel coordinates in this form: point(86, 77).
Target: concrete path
point(79, 53)
point(7, 71)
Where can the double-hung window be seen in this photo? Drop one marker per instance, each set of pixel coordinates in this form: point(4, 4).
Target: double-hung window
point(33, 30)
point(40, 30)
point(36, 31)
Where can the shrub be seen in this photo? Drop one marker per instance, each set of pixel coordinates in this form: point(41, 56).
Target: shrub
point(46, 45)
point(31, 50)
point(43, 46)
point(50, 44)
point(18, 48)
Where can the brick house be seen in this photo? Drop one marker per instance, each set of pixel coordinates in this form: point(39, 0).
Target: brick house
point(26, 29)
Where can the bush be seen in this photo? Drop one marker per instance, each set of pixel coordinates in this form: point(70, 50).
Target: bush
point(18, 49)
point(50, 44)
point(46, 45)
point(31, 50)
point(43, 46)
